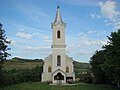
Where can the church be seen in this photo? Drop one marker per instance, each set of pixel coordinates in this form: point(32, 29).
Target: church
point(58, 67)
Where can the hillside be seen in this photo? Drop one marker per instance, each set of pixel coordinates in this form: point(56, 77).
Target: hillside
point(19, 63)
point(81, 67)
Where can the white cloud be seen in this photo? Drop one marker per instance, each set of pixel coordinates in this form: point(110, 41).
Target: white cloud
point(85, 53)
point(22, 29)
point(39, 50)
point(81, 2)
point(95, 16)
point(110, 12)
point(26, 35)
point(108, 9)
point(33, 49)
point(85, 43)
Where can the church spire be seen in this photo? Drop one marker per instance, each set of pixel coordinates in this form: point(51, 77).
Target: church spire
point(58, 18)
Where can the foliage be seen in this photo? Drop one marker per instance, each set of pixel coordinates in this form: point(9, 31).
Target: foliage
point(96, 62)
point(3, 51)
point(86, 77)
point(112, 64)
point(107, 61)
point(22, 75)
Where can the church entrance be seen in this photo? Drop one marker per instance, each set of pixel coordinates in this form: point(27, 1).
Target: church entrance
point(59, 76)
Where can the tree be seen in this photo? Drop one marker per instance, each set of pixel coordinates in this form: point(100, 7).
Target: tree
point(112, 64)
point(96, 61)
point(3, 50)
point(107, 61)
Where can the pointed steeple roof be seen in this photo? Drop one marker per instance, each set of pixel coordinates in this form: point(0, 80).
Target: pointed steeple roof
point(58, 18)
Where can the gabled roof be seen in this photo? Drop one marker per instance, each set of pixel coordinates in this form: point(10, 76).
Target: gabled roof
point(58, 71)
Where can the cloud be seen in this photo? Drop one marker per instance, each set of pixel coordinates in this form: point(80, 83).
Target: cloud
point(86, 44)
point(26, 35)
point(46, 39)
point(85, 53)
point(109, 11)
point(95, 16)
point(35, 50)
point(81, 2)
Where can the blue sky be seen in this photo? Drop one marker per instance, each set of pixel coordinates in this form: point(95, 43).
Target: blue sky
point(28, 26)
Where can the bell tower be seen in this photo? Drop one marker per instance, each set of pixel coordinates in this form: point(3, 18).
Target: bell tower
point(58, 42)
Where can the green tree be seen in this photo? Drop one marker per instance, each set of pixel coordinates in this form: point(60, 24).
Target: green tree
point(96, 62)
point(112, 64)
point(3, 50)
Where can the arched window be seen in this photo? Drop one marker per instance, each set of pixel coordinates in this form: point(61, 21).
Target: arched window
point(67, 69)
point(49, 69)
point(58, 34)
point(58, 60)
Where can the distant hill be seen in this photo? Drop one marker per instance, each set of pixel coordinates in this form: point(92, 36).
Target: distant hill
point(25, 60)
point(20, 63)
point(80, 67)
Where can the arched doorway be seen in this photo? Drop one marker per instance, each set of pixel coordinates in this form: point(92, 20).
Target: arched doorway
point(59, 76)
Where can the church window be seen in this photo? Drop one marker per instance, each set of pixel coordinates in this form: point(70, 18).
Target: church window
point(58, 34)
point(58, 60)
point(49, 69)
point(67, 69)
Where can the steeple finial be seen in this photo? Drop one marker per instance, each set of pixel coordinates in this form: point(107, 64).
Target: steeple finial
point(58, 1)
point(58, 7)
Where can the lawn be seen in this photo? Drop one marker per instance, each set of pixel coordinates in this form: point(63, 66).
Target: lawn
point(40, 86)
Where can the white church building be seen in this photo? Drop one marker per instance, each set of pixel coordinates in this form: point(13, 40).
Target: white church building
point(58, 67)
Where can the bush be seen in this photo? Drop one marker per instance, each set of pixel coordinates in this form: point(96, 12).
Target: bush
point(21, 75)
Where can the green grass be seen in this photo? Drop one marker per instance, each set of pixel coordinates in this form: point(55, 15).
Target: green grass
point(40, 86)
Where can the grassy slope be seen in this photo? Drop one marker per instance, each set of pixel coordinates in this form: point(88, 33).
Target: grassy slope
point(18, 63)
point(40, 86)
point(21, 65)
point(81, 67)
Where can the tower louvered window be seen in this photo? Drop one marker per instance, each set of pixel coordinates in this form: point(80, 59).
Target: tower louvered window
point(58, 34)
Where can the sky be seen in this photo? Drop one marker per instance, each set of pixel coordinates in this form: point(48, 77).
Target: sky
point(88, 23)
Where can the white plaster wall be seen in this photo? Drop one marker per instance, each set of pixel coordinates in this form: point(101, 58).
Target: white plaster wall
point(46, 77)
point(56, 52)
point(61, 40)
point(69, 63)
